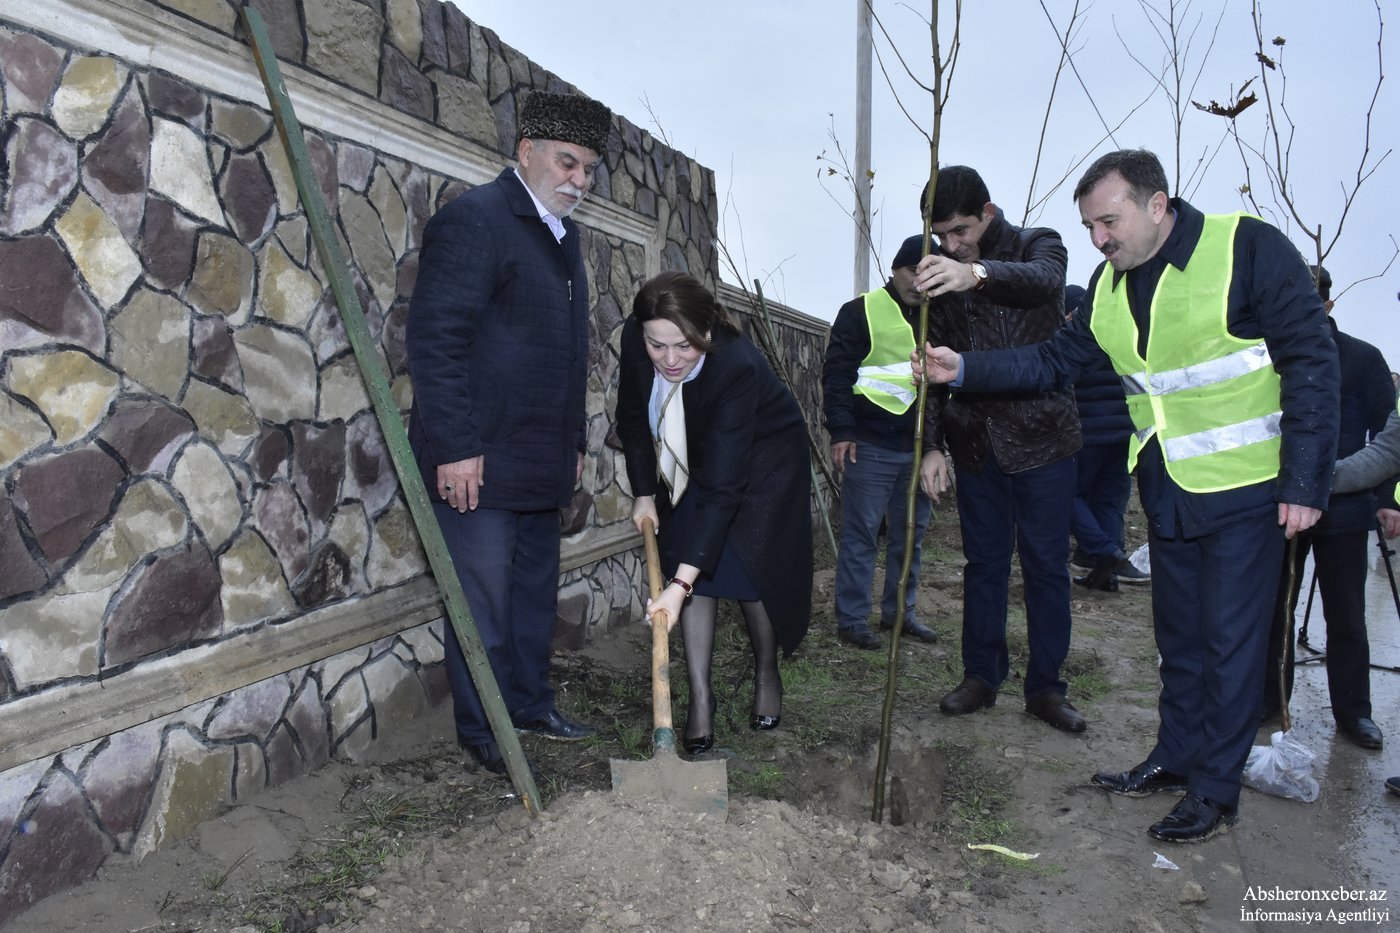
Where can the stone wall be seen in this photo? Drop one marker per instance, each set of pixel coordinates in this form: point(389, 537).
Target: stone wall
point(209, 582)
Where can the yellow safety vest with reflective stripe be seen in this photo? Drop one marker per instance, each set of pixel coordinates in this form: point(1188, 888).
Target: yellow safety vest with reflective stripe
point(885, 376)
point(1212, 399)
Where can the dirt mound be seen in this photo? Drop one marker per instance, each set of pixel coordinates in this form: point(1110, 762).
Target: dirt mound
point(595, 864)
point(424, 843)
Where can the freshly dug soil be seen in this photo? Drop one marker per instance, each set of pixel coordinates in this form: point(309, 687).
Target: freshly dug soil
point(423, 843)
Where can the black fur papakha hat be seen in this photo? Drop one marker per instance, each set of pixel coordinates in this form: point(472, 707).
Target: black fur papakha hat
point(569, 118)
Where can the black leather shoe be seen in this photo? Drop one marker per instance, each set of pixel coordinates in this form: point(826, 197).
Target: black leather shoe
point(487, 756)
point(1392, 784)
point(1362, 731)
point(1059, 712)
point(1141, 781)
point(764, 723)
point(1194, 819)
point(916, 630)
point(968, 697)
point(555, 726)
point(860, 636)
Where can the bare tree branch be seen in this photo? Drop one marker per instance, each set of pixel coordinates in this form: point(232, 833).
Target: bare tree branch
point(841, 166)
point(1275, 155)
point(1394, 254)
point(1040, 202)
point(1050, 101)
point(1176, 42)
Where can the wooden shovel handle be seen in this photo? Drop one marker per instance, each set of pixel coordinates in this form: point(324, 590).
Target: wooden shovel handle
point(660, 645)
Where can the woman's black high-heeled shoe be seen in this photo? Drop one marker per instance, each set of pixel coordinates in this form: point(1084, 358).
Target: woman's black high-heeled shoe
point(764, 723)
point(702, 743)
point(699, 745)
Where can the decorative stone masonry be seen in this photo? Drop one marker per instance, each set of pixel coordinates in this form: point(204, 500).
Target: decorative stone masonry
point(210, 581)
point(139, 788)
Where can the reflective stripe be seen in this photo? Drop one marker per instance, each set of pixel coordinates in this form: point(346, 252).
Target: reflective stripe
point(1228, 437)
point(885, 377)
point(893, 369)
point(1209, 398)
point(879, 385)
point(1199, 375)
point(1221, 369)
point(1136, 384)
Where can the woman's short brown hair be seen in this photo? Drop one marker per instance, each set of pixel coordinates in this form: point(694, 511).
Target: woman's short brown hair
point(682, 300)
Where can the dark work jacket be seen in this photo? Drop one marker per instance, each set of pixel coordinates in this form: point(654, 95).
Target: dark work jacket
point(1271, 296)
point(1022, 303)
point(1368, 398)
point(749, 470)
point(851, 417)
point(498, 347)
point(1103, 409)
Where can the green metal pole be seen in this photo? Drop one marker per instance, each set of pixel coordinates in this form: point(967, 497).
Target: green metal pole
point(387, 413)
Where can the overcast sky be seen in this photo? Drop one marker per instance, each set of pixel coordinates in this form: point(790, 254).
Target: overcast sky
point(754, 89)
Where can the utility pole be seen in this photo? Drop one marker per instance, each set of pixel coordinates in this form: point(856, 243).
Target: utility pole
point(861, 212)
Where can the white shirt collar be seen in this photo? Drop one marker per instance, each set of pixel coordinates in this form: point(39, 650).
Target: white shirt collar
point(556, 226)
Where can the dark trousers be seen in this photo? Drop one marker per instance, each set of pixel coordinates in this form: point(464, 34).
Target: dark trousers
point(508, 563)
point(1340, 562)
point(1101, 496)
point(1026, 512)
point(1212, 607)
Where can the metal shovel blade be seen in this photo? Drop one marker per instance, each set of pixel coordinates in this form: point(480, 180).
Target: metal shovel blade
point(694, 786)
point(700, 787)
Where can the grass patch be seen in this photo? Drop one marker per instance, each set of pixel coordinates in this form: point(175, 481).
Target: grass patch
point(976, 798)
point(1086, 674)
point(765, 781)
point(322, 878)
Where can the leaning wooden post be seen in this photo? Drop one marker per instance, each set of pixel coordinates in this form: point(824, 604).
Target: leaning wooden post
point(387, 412)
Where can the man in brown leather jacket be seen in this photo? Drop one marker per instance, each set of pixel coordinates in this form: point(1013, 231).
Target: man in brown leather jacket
point(995, 285)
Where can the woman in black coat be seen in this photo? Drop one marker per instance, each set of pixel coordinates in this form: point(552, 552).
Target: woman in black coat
point(716, 451)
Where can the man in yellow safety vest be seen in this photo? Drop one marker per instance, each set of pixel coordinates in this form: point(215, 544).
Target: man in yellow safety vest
point(1220, 338)
point(868, 403)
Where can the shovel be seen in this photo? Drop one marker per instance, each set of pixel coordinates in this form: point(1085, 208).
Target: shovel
point(1284, 767)
point(698, 786)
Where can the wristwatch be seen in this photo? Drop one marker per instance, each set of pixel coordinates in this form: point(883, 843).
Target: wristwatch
point(979, 272)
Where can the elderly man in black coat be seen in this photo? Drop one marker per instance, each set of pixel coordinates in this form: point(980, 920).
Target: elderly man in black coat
point(498, 351)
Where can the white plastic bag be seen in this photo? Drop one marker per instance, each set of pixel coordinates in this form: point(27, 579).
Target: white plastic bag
point(1282, 768)
point(1140, 560)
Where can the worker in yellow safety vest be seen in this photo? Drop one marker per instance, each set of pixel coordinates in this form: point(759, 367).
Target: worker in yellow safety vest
point(868, 403)
point(1220, 337)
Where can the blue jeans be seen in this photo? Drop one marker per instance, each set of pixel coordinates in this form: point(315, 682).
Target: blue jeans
point(1100, 499)
point(508, 564)
point(873, 488)
point(1026, 512)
